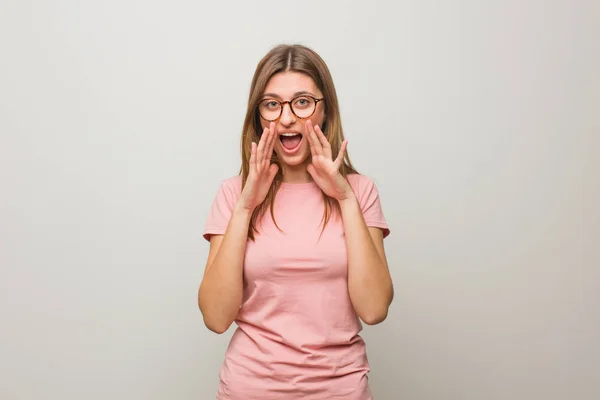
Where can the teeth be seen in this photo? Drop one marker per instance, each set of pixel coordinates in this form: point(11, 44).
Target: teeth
point(289, 134)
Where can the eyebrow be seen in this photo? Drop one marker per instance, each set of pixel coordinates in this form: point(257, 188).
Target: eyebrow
point(300, 93)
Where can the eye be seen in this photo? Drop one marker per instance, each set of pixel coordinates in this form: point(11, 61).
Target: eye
point(303, 102)
point(271, 104)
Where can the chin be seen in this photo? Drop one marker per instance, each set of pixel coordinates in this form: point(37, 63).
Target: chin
point(293, 161)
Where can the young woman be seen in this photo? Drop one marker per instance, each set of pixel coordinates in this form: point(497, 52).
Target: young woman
point(296, 245)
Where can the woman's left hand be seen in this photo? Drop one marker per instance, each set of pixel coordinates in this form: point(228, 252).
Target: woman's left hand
point(324, 169)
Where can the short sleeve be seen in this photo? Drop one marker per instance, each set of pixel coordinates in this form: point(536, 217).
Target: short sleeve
point(370, 204)
point(222, 208)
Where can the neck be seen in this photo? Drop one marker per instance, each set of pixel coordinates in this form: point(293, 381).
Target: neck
point(296, 174)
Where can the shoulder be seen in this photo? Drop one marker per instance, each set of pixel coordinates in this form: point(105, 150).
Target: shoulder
point(233, 184)
point(367, 195)
point(229, 190)
point(365, 190)
point(361, 184)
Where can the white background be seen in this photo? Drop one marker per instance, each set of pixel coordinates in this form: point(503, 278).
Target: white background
point(478, 120)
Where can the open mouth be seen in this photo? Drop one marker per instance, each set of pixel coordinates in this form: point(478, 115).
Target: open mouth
point(290, 141)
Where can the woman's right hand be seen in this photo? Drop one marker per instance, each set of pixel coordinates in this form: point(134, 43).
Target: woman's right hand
point(261, 171)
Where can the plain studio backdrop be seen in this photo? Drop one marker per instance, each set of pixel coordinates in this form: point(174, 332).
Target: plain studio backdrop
point(477, 120)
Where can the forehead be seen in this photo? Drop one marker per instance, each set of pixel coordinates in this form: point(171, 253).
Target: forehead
point(286, 84)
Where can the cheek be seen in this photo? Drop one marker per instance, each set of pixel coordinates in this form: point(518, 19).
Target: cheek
point(305, 146)
point(264, 124)
point(318, 119)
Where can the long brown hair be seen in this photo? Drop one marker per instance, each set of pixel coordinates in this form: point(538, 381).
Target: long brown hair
point(295, 58)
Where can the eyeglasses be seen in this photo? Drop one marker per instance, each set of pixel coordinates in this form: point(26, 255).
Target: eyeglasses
point(302, 106)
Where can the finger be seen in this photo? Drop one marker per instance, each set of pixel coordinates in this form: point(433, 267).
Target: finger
point(323, 141)
point(308, 137)
point(253, 154)
point(315, 145)
point(268, 149)
point(272, 138)
point(340, 157)
point(273, 168)
point(311, 170)
point(261, 145)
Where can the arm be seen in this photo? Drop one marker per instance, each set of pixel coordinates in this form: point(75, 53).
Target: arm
point(369, 281)
point(220, 293)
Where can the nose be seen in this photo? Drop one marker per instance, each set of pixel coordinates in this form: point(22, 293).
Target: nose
point(287, 116)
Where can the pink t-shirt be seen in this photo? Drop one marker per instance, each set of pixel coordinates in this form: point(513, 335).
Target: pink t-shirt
point(298, 334)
